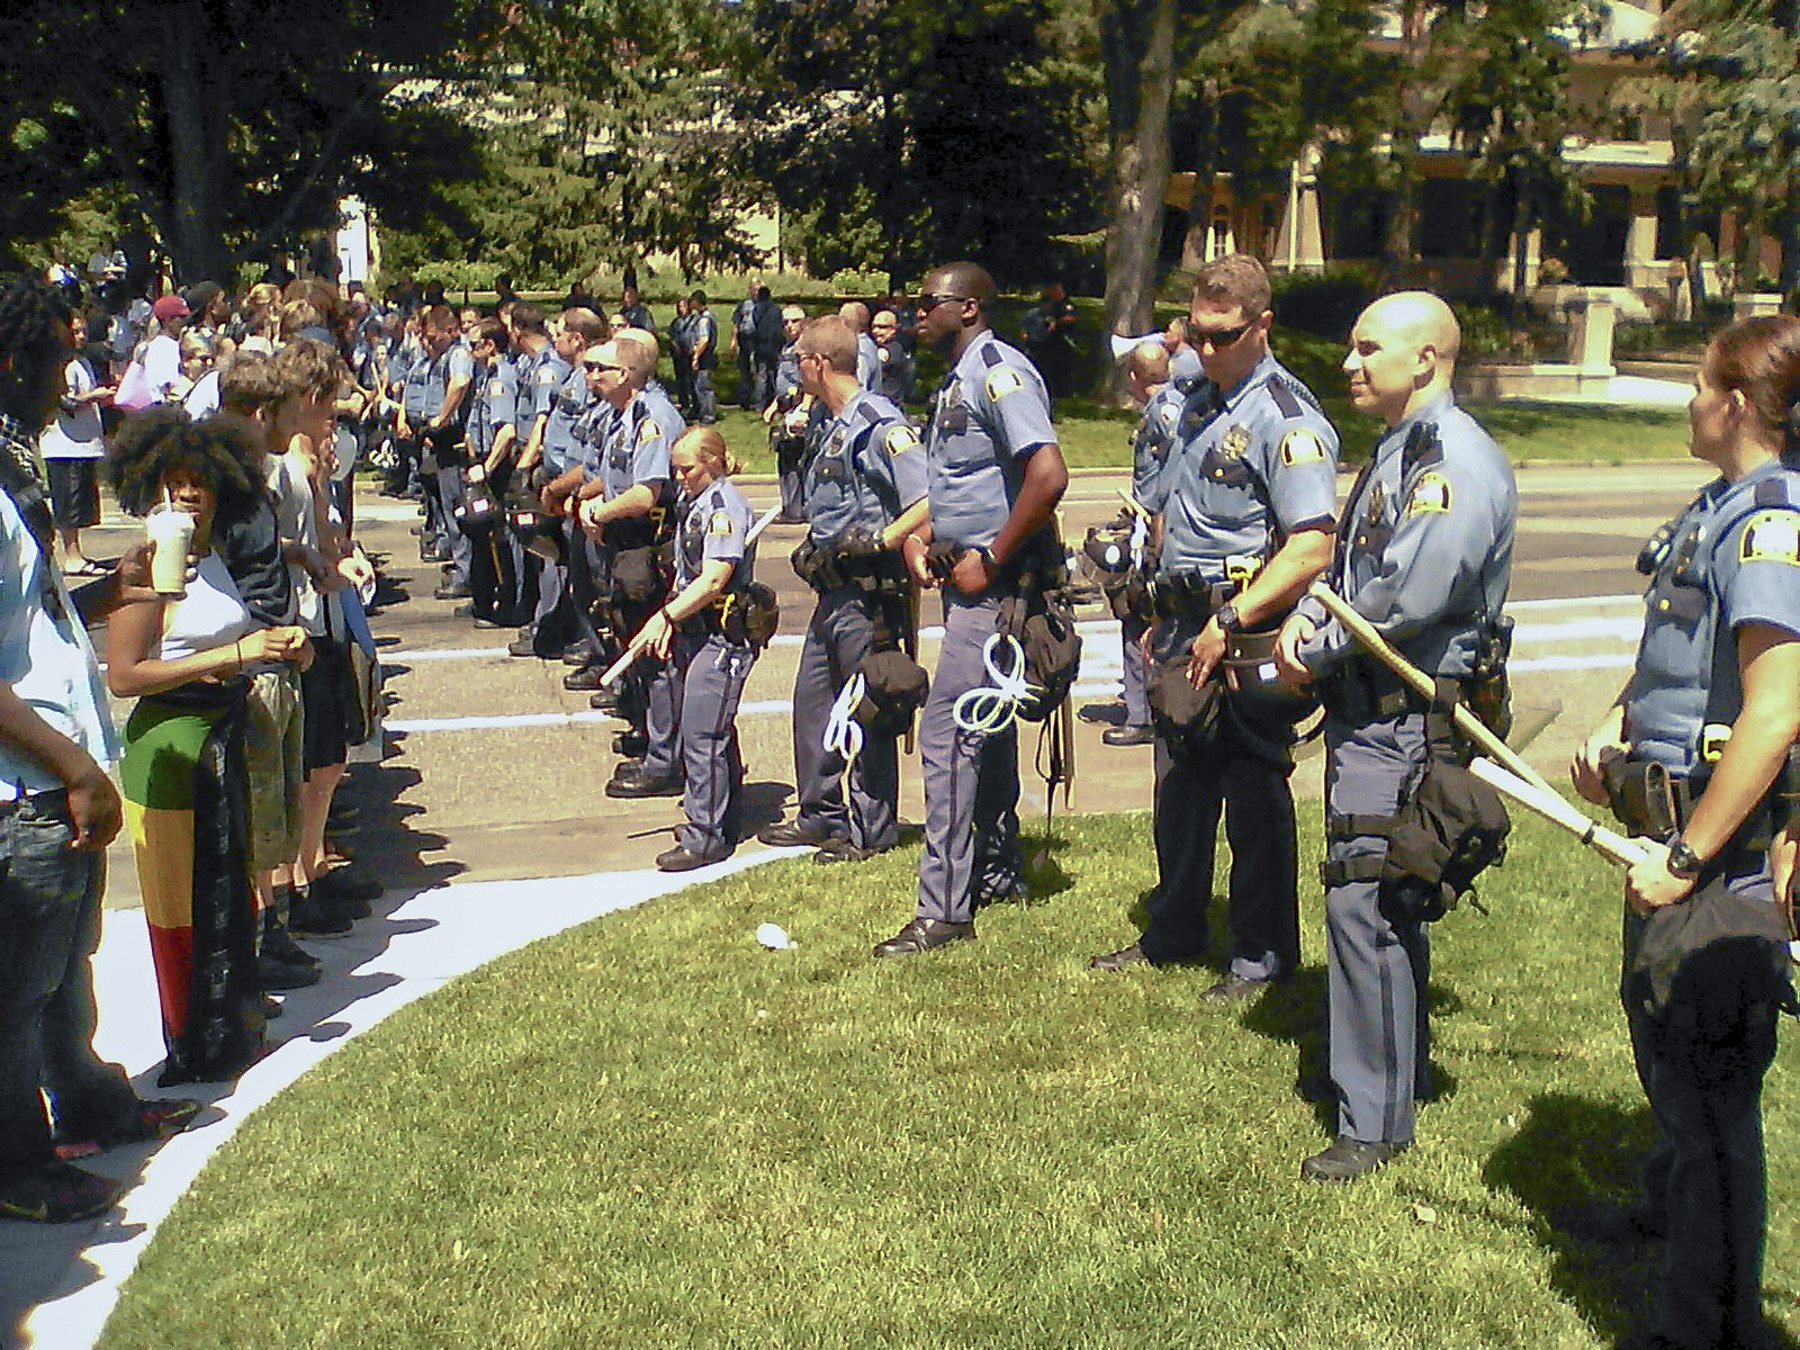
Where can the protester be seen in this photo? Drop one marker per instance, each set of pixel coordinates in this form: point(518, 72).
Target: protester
point(73, 445)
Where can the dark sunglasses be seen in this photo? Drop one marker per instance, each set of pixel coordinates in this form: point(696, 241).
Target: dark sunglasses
point(928, 301)
point(1217, 338)
point(598, 366)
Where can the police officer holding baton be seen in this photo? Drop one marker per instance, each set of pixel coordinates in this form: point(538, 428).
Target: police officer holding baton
point(996, 474)
point(1424, 554)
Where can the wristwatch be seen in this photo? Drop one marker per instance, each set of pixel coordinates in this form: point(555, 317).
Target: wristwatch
point(1684, 864)
point(1226, 616)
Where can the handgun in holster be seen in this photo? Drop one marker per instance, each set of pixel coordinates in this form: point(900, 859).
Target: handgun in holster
point(1643, 797)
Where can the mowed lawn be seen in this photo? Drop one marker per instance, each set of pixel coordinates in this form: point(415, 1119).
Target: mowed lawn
point(652, 1132)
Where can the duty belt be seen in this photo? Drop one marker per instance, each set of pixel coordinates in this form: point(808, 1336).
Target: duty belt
point(1652, 800)
point(1190, 595)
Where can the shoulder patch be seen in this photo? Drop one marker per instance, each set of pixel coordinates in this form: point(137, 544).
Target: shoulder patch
point(648, 430)
point(1003, 380)
point(1302, 446)
point(496, 386)
point(720, 522)
point(1431, 494)
point(900, 439)
point(1771, 536)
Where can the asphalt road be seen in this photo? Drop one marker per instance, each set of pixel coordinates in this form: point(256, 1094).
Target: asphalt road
point(494, 771)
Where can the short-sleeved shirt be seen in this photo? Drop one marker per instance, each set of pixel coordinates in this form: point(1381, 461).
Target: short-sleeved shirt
point(869, 467)
point(1733, 559)
point(868, 362)
point(787, 371)
point(46, 658)
point(991, 412)
point(1250, 466)
point(493, 395)
point(703, 327)
point(427, 379)
point(162, 364)
point(75, 432)
point(570, 404)
point(590, 434)
point(715, 527)
point(1154, 436)
point(1425, 543)
point(538, 385)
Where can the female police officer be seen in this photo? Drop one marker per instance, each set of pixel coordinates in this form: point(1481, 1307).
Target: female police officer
point(1693, 755)
point(701, 629)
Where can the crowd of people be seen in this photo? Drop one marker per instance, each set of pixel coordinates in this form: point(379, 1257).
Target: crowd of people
point(568, 492)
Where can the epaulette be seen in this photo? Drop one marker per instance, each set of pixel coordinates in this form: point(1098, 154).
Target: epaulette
point(1291, 397)
point(991, 354)
point(1422, 447)
point(868, 414)
point(1775, 492)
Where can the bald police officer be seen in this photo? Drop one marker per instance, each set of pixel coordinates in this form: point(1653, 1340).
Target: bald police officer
point(1425, 555)
point(865, 492)
point(996, 474)
point(1247, 500)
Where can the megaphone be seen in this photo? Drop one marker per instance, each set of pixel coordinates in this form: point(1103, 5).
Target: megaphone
point(1123, 346)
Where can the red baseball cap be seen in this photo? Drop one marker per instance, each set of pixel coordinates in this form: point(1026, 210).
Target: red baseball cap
point(171, 307)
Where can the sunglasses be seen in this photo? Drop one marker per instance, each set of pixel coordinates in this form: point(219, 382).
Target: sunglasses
point(1216, 338)
point(598, 366)
point(928, 301)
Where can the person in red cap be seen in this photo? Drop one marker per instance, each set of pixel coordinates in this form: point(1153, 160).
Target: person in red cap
point(162, 357)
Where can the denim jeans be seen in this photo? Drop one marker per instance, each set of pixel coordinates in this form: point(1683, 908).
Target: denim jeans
point(49, 931)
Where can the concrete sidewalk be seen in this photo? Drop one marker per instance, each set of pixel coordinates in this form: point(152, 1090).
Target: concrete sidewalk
point(60, 1283)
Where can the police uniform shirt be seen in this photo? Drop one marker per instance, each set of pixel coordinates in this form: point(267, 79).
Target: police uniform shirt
point(894, 367)
point(715, 526)
point(703, 327)
point(868, 362)
point(990, 413)
point(663, 409)
point(787, 371)
point(1185, 366)
point(1425, 543)
point(638, 316)
point(567, 408)
point(423, 394)
point(493, 394)
point(1155, 434)
point(1250, 467)
point(589, 435)
point(536, 381)
point(637, 448)
point(743, 319)
point(868, 469)
point(1734, 558)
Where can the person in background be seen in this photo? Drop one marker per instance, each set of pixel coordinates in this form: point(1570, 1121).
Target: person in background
point(73, 444)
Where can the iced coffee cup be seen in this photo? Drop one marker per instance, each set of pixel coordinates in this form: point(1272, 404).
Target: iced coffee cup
point(170, 531)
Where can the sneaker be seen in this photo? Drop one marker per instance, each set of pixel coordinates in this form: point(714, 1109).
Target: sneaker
point(280, 975)
point(58, 1192)
point(309, 918)
point(278, 946)
point(154, 1118)
point(347, 883)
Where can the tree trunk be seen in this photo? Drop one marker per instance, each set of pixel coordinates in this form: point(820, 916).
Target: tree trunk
point(1138, 40)
point(190, 220)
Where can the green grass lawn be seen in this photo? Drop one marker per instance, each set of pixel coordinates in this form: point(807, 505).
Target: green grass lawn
point(651, 1132)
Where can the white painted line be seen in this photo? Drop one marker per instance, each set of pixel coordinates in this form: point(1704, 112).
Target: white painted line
point(1581, 630)
point(1572, 602)
point(1600, 661)
point(443, 654)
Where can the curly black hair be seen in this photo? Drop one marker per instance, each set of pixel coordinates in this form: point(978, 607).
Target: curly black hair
point(223, 452)
point(34, 348)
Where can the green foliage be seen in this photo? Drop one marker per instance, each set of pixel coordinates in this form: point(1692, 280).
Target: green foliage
point(650, 1131)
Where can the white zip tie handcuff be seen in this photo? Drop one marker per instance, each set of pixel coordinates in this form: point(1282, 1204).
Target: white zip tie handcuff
point(990, 708)
point(843, 733)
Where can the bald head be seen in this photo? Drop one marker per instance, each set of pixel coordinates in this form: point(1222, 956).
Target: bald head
point(964, 278)
point(1149, 362)
point(833, 339)
point(1402, 354)
point(856, 314)
point(637, 353)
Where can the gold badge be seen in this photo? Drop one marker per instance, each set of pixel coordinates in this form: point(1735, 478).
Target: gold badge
point(1377, 500)
point(1430, 495)
point(1302, 447)
point(1004, 380)
point(901, 439)
point(720, 523)
point(1771, 536)
point(1234, 442)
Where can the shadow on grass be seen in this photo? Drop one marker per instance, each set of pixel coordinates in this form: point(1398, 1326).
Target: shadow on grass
point(1569, 1152)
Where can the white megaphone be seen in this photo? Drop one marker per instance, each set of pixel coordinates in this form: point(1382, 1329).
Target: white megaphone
point(1123, 346)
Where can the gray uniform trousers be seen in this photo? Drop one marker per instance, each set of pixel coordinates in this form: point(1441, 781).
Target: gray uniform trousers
point(971, 780)
point(1239, 780)
point(449, 496)
point(1377, 970)
point(840, 634)
point(1702, 1068)
point(1137, 672)
point(707, 674)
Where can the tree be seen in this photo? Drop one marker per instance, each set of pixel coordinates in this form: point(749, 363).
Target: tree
point(235, 128)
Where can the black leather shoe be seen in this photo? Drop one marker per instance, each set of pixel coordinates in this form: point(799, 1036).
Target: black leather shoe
point(583, 681)
point(451, 590)
point(922, 935)
point(638, 785)
point(1348, 1160)
point(843, 851)
point(683, 859)
point(1119, 960)
point(603, 700)
point(524, 646)
point(464, 611)
point(482, 622)
point(795, 833)
point(1235, 989)
point(1141, 735)
point(630, 745)
point(580, 654)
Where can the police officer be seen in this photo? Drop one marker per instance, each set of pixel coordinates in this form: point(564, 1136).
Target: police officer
point(432, 409)
point(743, 346)
point(629, 513)
point(895, 374)
point(700, 634)
point(634, 311)
point(789, 416)
point(703, 357)
point(681, 356)
point(1425, 555)
point(1147, 375)
point(868, 360)
point(1710, 716)
point(552, 629)
point(490, 431)
point(996, 474)
point(865, 493)
point(1247, 500)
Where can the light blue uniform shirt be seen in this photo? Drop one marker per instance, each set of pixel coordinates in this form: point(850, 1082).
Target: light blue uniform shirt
point(869, 468)
point(990, 413)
